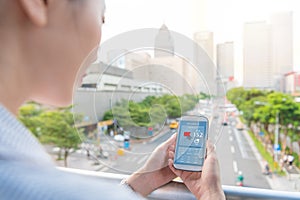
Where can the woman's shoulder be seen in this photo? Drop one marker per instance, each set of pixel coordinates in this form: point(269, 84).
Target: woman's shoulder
point(25, 181)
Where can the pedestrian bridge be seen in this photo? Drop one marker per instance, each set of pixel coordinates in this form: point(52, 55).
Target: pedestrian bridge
point(177, 190)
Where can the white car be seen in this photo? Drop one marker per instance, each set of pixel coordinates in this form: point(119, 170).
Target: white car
point(119, 138)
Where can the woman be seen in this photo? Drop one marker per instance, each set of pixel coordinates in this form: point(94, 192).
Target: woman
point(43, 43)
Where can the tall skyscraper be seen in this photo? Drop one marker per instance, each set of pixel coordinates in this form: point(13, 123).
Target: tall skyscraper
point(258, 70)
point(225, 60)
point(268, 51)
point(171, 71)
point(203, 58)
point(164, 43)
point(206, 40)
point(282, 42)
point(225, 66)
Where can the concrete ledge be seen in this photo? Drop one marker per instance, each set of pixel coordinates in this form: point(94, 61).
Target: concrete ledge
point(177, 190)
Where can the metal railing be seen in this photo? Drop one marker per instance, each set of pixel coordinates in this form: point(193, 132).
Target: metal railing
point(177, 190)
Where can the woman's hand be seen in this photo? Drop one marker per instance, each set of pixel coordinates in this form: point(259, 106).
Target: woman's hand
point(205, 184)
point(155, 172)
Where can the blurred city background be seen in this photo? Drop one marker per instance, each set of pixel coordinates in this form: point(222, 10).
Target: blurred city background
point(247, 82)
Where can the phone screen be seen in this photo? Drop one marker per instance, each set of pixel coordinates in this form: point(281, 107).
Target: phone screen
point(191, 144)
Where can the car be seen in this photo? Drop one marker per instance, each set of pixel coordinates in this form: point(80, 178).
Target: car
point(119, 138)
point(240, 126)
point(173, 125)
point(215, 116)
point(224, 123)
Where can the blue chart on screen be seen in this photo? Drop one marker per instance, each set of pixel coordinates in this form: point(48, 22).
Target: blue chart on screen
point(192, 136)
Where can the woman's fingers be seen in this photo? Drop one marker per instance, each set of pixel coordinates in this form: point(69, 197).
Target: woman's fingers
point(172, 139)
point(171, 155)
point(171, 148)
point(170, 142)
point(171, 166)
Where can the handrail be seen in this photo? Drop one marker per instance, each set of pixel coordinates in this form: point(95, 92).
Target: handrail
point(177, 190)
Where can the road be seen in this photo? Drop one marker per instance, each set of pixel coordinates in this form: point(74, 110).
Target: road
point(234, 154)
point(133, 159)
point(233, 150)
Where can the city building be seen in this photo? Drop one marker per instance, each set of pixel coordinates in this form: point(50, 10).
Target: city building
point(105, 85)
point(258, 71)
point(171, 71)
point(292, 83)
point(225, 66)
point(282, 42)
point(164, 43)
point(268, 51)
point(206, 40)
point(204, 43)
point(116, 58)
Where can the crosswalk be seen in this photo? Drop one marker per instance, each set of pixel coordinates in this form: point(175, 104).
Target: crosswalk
point(117, 162)
point(109, 147)
point(103, 168)
point(112, 162)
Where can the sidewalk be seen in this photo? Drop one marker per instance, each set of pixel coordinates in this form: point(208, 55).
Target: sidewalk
point(292, 172)
point(81, 161)
point(276, 182)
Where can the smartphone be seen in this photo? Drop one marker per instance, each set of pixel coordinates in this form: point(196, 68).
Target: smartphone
point(190, 148)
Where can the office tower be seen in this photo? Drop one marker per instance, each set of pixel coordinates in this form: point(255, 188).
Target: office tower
point(258, 70)
point(282, 42)
point(225, 66)
point(171, 71)
point(164, 43)
point(225, 60)
point(206, 40)
point(203, 59)
point(268, 51)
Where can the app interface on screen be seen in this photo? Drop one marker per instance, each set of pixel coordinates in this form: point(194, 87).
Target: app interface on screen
point(191, 144)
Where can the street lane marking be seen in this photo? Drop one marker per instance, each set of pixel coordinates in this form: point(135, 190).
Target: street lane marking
point(102, 168)
point(230, 138)
point(142, 160)
point(232, 149)
point(235, 168)
point(132, 159)
point(240, 145)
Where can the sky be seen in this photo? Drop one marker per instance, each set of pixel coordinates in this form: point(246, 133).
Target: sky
point(223, 17)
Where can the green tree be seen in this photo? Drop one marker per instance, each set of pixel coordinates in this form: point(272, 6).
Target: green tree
point(203, 95)
point(151, 111)
point(55, 126)
point(29, 115)
point(237, 96)
point(263, 107)
point(287, 110)
point(188, 102)
point(58, 128)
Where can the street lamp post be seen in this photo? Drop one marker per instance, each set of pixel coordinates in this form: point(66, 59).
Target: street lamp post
point(276, 145)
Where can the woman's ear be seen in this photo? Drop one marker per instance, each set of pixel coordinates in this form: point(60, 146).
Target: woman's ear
point(36, 10)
